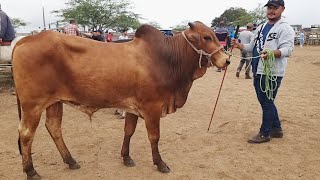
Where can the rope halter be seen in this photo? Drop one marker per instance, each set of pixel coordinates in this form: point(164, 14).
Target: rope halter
point(202, 52)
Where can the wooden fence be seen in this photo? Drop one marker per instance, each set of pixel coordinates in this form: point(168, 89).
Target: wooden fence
point(310, 39)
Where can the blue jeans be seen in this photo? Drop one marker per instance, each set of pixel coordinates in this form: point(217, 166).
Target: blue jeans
point(270, 118)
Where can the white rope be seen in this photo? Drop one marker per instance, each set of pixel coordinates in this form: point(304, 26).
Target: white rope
point(230, 54)
point(227, 52)
point(201, 52)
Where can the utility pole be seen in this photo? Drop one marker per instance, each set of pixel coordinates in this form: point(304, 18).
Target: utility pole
point(44, 20)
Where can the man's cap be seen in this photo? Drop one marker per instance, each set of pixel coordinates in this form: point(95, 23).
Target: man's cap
point(275, 3)
point(250, 25)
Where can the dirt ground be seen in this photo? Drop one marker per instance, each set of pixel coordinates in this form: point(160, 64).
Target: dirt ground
point(185, 145)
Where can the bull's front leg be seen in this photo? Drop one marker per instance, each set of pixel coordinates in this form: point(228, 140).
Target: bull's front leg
point(153, 129)
point(129, 129)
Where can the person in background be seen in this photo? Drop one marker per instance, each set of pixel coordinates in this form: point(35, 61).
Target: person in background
point(124, 35)
point(254, 28)
point(72, 28)
point(223, 36)
point(98, 35)
point(301, 38)
point(246, 37)
point(278, 36)
point(109, 37)
point(7, 33)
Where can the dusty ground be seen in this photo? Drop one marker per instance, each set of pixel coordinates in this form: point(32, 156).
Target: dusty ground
point(190, 151)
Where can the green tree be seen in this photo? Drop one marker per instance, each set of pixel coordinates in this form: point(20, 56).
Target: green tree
point(100, 14)
point(17, 22)
point(125, 22)
point(233, 16)
point(259, 14)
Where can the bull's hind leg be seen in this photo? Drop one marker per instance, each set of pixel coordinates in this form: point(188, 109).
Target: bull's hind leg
point(152, 121)
point(129, 128)
point(27, 128)
point(53, 125)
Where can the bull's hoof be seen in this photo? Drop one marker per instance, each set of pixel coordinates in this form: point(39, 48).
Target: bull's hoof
point(162, 167)
point(34, 176)
point(74, 166)
point(127, 161)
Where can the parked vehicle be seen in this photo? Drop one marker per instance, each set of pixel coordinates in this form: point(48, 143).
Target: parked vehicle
point(167, 32)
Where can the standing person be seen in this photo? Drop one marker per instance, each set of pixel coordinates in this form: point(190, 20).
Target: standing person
point(109, 37)
point(277, 35)
point(301, 38)
point(246, 37)
point(72, 28)
point(223, 36)
point(7, 33)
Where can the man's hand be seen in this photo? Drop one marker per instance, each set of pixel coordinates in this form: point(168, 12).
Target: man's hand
point(0, 40)
point(235, 43)
point(264, 54)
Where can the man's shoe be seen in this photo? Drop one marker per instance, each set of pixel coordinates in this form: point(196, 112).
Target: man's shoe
point(248, 77)
point(259, 138)
point(276, 133)
point(219, 70)
point(116, 112)
point(237, 74)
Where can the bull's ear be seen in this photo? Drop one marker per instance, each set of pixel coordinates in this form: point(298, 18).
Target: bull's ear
point(192, 25)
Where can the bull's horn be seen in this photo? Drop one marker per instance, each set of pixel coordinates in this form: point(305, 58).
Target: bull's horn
point(191, 25)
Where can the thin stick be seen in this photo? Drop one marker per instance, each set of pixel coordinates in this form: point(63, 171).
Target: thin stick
point(214, 109)
point(224, 75)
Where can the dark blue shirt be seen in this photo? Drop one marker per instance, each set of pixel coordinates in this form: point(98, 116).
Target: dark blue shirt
point(7, 31)
point(259, 46)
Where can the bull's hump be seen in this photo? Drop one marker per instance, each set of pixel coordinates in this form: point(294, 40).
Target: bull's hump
point(146, 31)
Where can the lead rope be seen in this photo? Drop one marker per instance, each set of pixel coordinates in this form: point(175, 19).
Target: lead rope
point(270, 80)
point(202, 52)
point(267, 66)
point(232, 55)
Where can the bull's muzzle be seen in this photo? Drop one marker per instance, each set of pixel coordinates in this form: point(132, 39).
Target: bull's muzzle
point(228, 61)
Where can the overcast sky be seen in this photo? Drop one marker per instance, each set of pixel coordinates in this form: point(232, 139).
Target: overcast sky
point(167, 13)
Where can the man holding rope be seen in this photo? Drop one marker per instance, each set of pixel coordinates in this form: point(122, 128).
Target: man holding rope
point(274, 42)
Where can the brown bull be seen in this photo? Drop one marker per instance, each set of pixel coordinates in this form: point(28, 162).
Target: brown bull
point(149, 76)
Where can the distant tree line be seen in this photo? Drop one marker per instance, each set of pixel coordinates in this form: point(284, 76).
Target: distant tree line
point(239, 16)
point(117, 15)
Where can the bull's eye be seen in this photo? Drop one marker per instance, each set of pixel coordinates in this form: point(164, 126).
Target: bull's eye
point(207, 38)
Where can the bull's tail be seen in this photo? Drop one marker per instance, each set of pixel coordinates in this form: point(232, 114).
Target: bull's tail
point(19, 113)
point(13, 45)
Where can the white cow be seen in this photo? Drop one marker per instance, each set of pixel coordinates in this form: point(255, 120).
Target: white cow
point(6, 51)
